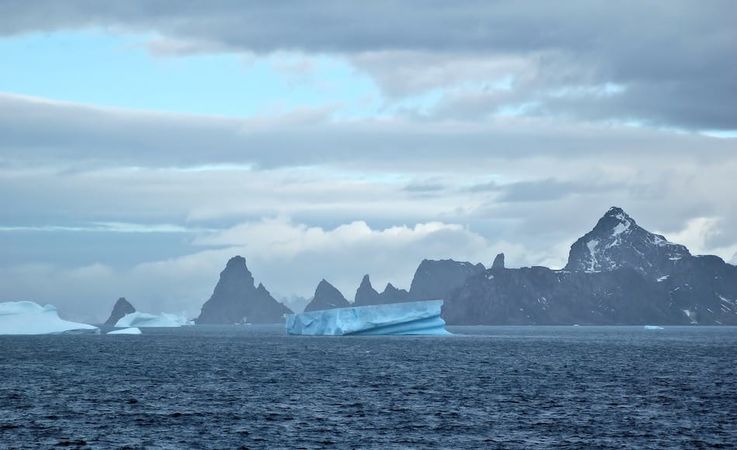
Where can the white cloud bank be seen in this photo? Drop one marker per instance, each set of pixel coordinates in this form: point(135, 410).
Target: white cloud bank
point(288, 258)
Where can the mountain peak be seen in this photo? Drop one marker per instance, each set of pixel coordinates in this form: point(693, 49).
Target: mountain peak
point(616, 221)
point(498, 262)
point(120, 309)
point(366, 294)
point(326, 296)
point(236, 262)
point(365, 281)
point(436, 279)
point(617, 241)
point(235, 298)
point(616, 211)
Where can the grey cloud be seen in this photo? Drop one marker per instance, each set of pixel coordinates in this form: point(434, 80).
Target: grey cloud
point(425, 187)
point(548, 190)
point(487, 186)
point(675, 58)
point(65, 163)
point(330, 25)
point(37, 131)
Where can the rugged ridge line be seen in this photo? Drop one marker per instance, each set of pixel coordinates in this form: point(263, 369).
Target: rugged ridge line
point(617, 274)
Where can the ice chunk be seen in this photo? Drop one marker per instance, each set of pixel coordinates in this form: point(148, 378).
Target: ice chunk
point(126, 331)
point(653, 327)
point(144, 320)
point(411, 318)
point(32, 318)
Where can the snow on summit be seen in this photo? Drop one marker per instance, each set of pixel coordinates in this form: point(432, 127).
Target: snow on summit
point(618, 241)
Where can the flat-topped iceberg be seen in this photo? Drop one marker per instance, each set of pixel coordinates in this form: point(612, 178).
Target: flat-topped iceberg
point(145, 320)
point(32, 318)
point(411, 318)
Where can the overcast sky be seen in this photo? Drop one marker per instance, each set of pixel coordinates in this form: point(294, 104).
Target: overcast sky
point(143, 143)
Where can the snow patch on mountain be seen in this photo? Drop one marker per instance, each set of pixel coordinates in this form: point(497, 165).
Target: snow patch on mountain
point(592, 244)
point(617, 241)
point(691, 315)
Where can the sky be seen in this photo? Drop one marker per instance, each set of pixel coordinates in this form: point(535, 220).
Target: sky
point(143, 143)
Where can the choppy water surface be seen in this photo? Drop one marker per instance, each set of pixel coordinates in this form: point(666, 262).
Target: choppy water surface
point(506, 387)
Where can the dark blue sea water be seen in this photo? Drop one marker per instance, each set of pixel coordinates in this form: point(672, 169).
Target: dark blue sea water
point(495, 387)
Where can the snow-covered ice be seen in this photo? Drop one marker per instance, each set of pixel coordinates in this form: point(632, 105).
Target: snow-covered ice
point(32, 318)
point(145, 320)
point(126, 331)
point(411, 318)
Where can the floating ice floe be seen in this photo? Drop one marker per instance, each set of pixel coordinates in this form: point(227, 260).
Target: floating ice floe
point(145, 320)
point(126, 331)
point(653, 327)
point(32, 318)
point(411, 318)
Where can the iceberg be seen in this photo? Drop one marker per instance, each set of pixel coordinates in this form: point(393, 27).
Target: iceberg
point(653, 327)
point(32, 318)
point(145, 320)
point(126, 331)
point(411, 318)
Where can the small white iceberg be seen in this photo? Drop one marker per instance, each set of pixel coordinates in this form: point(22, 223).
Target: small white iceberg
point(411, 318)
point(653, 327)
point(32, 318)
point(145, 320)
point(126, 331)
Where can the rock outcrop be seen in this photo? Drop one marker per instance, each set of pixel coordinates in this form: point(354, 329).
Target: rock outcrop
point(366, 294)
point(326, 297)
point(433, 280)
point(438, 279)
point(236, 300)
point(392, 294)
point(498, 262)
point(618, 273)
point(618, 241)
point(121, 308)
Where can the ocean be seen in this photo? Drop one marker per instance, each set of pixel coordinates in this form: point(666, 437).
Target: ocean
point(484, 387)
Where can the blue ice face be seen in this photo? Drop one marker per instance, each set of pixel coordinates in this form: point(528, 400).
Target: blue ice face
point(412, 318)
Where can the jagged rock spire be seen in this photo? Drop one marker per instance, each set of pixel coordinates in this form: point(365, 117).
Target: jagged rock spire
point(236, 299)
point(366, 294)
point(498, 262)
point(326, 296)
point(121, 308)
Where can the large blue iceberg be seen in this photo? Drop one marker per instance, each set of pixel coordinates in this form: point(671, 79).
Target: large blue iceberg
point(411, 318)
point(32, 318)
